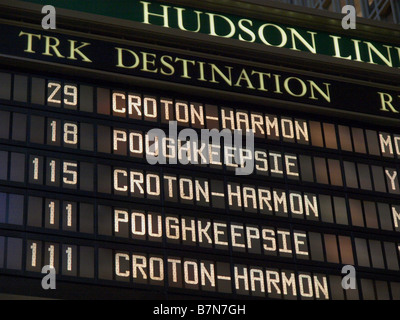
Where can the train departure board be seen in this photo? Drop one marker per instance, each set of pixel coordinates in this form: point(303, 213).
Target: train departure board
point(87, 188)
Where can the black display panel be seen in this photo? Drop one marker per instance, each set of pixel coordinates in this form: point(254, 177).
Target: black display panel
point(77, 193)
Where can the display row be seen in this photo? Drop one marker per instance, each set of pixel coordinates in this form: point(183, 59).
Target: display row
point(141, 108)
point(135, 268)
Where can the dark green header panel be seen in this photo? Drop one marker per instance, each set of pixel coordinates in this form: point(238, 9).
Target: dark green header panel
point(241, 28)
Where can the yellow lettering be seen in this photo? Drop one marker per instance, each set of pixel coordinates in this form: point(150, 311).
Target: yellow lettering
point(261, 76)
point(227, 79)
point(337, 48)
point(371, 47)
point(289, 90)
point(77, 50)
point(168, 65)
point(326, 95)
point(146, 62)
point(282, 32)
point(120, 58)
point(180, 19)
point(185, 64)
point(386, 102)
point(296, 35)
point(147, 13)
point(52, 46)
point(29, 40)
point(244, 77)
point(213, 31)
